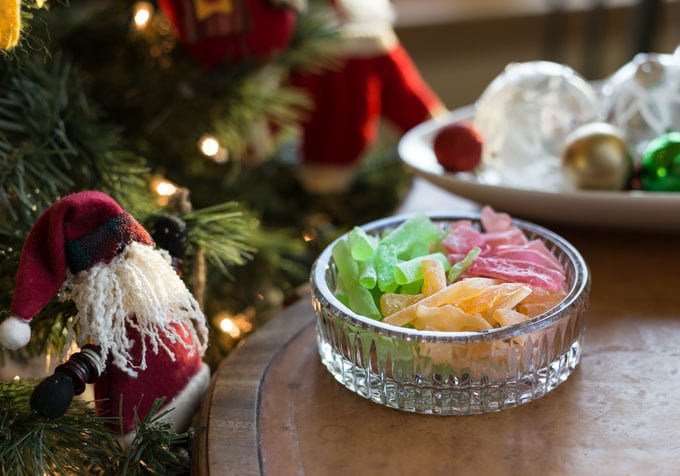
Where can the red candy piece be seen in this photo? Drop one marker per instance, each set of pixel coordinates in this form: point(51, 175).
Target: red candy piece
point(514, 270)
point(458, 147)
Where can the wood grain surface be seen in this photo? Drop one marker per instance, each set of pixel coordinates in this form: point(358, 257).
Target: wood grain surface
point(275, 410)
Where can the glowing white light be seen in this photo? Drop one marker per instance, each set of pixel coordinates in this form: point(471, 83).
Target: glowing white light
point(209, 146)
point(142, 15)
point(228, 326)
point(165, 189)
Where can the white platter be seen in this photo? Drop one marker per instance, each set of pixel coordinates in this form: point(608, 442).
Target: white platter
point(614, 209)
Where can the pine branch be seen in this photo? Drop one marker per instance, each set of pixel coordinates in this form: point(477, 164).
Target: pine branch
point(225, 232)
point(315, 40)
point(53, 142)
point(81, 442)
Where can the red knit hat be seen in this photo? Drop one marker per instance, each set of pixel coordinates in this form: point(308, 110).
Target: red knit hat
point(76, 232)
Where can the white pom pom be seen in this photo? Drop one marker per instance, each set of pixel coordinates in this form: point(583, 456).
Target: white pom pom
point(14, 332)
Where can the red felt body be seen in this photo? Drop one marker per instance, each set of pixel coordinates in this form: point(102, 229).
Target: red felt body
point(120, 395)
point(348, 103)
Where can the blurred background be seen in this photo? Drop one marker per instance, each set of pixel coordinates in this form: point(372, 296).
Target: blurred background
point(460, 46)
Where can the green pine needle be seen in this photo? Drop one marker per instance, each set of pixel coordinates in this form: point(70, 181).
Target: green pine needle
point(80, 442)
point(225, 232)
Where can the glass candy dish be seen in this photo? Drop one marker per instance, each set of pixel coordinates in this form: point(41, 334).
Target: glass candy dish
point(452, 373)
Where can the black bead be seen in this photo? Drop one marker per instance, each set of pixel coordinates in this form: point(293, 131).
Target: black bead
point(52, 397)
point(170, 234)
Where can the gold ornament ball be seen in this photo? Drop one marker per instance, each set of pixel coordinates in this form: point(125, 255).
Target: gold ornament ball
point(595, 157)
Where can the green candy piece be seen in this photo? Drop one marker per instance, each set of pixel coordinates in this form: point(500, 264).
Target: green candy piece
point(412, 288)
point(661, 164)
point(412, 270)
point(340, 293)
point(361, 244)
point(385, 259)
point(368, 277)
point(460, 267)
point(360, 299)
point(417, 229)
point(418, 249)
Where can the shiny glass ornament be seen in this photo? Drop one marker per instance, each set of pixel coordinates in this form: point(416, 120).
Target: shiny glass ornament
point(661, 164)
point(595, 157)
point(643, 99)
point(524, 115)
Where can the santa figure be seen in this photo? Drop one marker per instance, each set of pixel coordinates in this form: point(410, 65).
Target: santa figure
point(147, 330)
point(375, 79)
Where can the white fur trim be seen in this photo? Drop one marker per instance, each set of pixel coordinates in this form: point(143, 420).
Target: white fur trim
point(185, 404)
point(14, 332)
point(326, 179)
point(140, 282)
point(375, 12)
point(362, 43)
point(366, 28)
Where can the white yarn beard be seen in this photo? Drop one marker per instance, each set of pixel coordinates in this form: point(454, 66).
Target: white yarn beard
point(140, 290)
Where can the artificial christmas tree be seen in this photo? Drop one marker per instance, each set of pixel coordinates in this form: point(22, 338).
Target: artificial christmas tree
point(105, 96)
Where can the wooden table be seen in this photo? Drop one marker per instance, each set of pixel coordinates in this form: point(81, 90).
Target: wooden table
point(273, 408)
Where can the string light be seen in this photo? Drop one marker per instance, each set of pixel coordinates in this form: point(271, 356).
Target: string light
point(17, 378)
point(211, 148)
point(309, 234)
point(163, 188)
point(142, 15)
point(236, 325)
point(228, 327)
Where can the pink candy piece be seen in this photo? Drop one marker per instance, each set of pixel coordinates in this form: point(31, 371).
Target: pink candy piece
point(511, 236)
point(506, 252)
point(462, 238)
point(493, 221)
point(514, 270)
point(533, 252)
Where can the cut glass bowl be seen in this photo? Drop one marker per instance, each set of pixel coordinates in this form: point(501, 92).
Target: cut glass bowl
point(452, 373)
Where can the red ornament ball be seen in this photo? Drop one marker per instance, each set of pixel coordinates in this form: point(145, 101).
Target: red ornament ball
point(458, 147)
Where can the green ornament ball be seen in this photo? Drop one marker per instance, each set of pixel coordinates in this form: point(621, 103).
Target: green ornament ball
point(661, 164)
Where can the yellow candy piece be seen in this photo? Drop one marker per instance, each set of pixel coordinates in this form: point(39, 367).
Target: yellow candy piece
point(505, 295)
point(451, 294)
point(393, 302)
point(434, 276)
point(540, 300)
point(448, 318)
point(508, 317)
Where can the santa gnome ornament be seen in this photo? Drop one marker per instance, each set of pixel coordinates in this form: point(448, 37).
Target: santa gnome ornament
point(147, 329)
point(376, 78)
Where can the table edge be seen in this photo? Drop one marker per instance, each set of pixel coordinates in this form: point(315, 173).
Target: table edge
point(256, 353)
